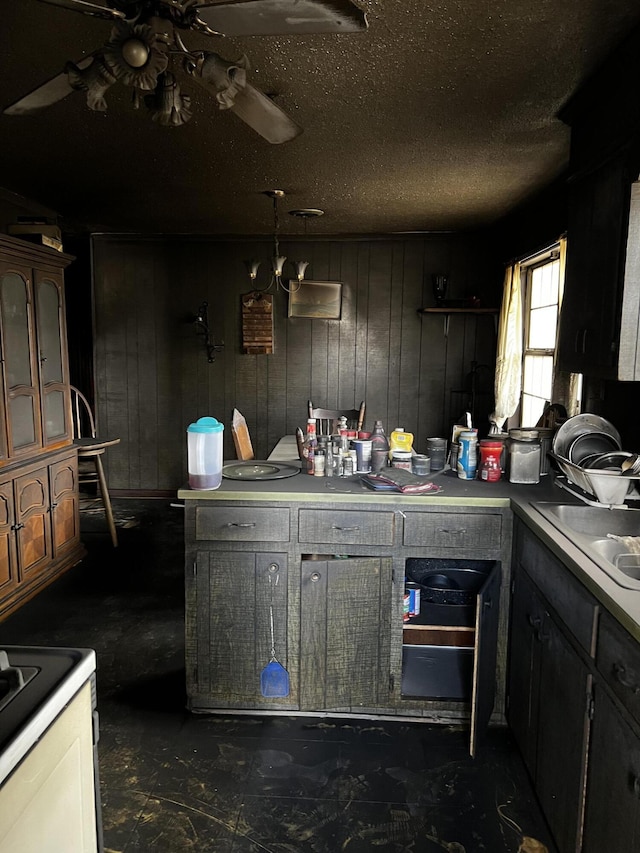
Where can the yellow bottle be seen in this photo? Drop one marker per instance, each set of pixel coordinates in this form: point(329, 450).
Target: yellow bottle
point(400, 440)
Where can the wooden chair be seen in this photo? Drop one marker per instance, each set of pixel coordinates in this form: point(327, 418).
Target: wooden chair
point(327, 419)
point(90, 452)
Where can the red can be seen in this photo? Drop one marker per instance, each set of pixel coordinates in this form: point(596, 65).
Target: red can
point(490, 452)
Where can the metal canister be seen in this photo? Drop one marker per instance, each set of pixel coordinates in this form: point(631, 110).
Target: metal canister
point(545, 434)
point(524, 456)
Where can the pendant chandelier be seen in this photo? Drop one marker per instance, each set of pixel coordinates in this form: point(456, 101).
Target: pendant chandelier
point(277, 260)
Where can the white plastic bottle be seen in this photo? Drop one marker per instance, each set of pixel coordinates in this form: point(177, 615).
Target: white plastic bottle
point(204, 451)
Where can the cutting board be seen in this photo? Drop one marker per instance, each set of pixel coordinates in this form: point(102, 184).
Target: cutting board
point(241, 437)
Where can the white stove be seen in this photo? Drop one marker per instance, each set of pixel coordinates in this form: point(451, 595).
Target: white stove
point(49, 783)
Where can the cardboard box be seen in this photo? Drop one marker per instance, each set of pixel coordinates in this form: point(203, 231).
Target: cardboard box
point(44, 235)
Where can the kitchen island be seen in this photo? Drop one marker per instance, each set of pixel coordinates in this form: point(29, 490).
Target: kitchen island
point(326, 558)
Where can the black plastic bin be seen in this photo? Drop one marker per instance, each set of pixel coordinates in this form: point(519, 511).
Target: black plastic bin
point(448, 589)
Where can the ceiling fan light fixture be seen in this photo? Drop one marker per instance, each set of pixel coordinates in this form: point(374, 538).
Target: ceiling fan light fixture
point(135, 53)
point(131, 42)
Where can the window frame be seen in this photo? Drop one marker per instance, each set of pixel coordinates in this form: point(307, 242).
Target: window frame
point(527, 268)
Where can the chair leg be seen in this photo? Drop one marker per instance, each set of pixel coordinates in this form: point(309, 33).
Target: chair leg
point(106, 501)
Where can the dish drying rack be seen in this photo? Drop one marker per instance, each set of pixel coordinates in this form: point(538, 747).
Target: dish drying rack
point(577, 482)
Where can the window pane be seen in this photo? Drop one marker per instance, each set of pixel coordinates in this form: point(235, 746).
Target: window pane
point(544, 284)
point(542, 328)
point(538, 376)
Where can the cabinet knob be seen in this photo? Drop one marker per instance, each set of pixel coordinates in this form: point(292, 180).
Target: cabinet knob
point(315, 577)
point(621, 675)
point(273, 568)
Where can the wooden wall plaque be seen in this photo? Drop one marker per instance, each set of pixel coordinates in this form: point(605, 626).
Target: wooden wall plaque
point(257, 323)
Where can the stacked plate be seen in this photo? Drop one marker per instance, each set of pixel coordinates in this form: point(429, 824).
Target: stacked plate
point(588, 451)
point(583, 438)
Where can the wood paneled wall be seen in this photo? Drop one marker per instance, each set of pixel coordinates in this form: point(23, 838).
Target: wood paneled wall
point(152, 377)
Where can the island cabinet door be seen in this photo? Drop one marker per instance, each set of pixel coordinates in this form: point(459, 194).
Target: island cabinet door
point(232, 599)
point(345, 608)
point(612, 819)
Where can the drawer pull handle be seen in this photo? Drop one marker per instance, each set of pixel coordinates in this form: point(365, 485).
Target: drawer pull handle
point(534, 621)
point(620, 673)
point(346, 529)
point(636, 786)
point(241, 524)
point(459, 532)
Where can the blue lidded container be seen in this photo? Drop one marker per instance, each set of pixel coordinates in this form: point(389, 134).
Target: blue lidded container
point(204, 451)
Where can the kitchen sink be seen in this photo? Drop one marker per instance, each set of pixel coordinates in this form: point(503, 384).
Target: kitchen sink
point(588, 527)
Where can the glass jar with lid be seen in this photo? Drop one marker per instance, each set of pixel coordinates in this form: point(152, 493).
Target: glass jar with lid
point(524, 456)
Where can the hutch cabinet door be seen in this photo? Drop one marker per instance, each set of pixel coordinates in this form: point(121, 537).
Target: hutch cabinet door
point(20, 374)
point(612, 815)
point(52, 357)
point(33, 522)
point(345, 634)
point(65, 518)
point(230, 597)
point(8, 561)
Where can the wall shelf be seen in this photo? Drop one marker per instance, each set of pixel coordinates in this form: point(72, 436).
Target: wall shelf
point(446, 312)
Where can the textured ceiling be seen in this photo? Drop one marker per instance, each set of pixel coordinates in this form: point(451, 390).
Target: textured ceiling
point(441, 116)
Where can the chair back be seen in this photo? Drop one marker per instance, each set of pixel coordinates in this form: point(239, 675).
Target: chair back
point(84, 425)
point(327, 419)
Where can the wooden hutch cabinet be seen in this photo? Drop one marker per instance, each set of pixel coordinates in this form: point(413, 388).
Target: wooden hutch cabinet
point(39, 520)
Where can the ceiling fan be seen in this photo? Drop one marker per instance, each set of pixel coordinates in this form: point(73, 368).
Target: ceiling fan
point(145, 50)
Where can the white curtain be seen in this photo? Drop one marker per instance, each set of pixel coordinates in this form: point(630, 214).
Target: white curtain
point(508, 380)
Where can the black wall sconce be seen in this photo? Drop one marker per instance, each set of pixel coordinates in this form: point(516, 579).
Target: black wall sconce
point(202, 328)
point(439, 282)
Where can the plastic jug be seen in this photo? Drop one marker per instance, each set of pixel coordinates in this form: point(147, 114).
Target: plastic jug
point(400, 440)
point(204, 451)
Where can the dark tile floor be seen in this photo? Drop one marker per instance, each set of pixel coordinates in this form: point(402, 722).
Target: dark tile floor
point(172, 781)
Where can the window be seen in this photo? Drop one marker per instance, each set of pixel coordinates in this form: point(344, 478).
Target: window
point(543, 280)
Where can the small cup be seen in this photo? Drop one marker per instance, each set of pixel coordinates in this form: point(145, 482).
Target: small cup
point(421, 464)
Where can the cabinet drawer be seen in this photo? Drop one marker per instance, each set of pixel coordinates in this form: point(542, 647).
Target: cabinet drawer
point(618, 660)
point(566, 595)
point(242, 524)
point(453, 530)
point(346, 527)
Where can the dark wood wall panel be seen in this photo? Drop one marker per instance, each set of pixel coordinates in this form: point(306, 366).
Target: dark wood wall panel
point(152, 377)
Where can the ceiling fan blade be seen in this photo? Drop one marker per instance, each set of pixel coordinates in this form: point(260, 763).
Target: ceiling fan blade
point(227, 82)
point(282, 17)
point(87, 8)
point(264, 116)
point(49, 93)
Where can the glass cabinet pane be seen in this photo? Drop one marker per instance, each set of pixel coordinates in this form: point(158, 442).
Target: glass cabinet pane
point(15, 330)
point(22, 421)
point(48, 310)
point(54, 420)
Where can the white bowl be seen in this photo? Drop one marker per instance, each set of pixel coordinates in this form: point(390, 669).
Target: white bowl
point(608, 486)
